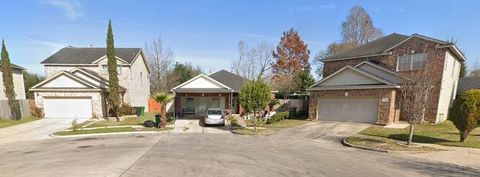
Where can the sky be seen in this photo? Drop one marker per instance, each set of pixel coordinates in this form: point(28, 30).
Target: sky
point(207, 32)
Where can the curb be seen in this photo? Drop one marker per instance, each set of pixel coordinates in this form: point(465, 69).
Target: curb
point(345, 143)
point(106, 134)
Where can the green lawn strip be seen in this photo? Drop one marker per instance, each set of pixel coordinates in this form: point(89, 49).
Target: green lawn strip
point(270, 128)
point(109, 130)
point(384, 144)
point(10, 122)
point(127, 121)
point(442, 134)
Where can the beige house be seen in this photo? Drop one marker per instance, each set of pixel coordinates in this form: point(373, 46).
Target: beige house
point(19, 87)
point(77, 82)
point(361, 84)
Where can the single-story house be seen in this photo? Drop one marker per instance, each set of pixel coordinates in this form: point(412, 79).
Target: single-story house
point(217, 90)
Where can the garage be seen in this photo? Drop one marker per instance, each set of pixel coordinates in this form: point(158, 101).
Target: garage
point(66, 107)
point(351, 109)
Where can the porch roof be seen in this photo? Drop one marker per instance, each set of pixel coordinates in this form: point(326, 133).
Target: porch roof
point(202, 90)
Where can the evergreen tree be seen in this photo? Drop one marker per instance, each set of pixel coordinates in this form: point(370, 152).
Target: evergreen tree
point(463, 69)
point(8, 83)
point(113, 90)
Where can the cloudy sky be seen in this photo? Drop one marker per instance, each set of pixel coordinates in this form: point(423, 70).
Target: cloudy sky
point(206, 32)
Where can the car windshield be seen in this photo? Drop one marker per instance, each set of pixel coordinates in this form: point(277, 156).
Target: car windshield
point(215, 112)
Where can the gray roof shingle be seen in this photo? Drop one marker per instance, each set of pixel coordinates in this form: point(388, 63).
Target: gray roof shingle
point(467, 83)
point(229, 79)
point(14, 66)
point(375, 47)
point(73, 55)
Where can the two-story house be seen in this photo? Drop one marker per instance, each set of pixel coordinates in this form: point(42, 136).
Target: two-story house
point(77, 82)
point(362, 84)
point(18, 85)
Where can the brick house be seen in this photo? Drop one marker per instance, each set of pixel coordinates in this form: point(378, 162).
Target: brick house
point(76, 84)
point(217, 90)
point(362, 84)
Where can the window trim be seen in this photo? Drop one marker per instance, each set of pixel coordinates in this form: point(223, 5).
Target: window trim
point(410, 58)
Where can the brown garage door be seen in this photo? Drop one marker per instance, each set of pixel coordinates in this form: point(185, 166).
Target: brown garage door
point(352, 109)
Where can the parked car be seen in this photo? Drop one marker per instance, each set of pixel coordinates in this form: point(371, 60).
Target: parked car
point(214, 117)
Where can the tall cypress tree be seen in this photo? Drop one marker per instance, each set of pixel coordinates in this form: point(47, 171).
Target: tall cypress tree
point(8, 83)
point(113, 90)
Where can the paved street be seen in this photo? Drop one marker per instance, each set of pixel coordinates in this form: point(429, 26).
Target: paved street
point(212, 154)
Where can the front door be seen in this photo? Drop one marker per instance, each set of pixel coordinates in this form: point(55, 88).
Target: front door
point(234, 105)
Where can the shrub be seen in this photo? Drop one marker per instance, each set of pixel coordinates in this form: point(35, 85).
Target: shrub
point(465, 113)
point(126, 109)
point(170, 117)
point(36, 111)
point(278, 117)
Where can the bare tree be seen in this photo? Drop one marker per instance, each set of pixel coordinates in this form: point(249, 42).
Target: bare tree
point(475, 71)
point(253, 63)
point(416, 90)
point(160, 61)
point(358, 27)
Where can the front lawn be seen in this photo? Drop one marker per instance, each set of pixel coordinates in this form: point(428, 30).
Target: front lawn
point(109, 130)
point(10, 122)
point(442, 134)
point(127, 121)
point(270, 128)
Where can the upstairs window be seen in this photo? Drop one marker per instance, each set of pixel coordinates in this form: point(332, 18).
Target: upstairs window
point(105, 69)
point(411, 62)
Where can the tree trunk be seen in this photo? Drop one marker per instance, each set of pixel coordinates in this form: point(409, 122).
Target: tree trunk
point(410, 135)
point(463, 135)
point(163, 120)
point(255, 122)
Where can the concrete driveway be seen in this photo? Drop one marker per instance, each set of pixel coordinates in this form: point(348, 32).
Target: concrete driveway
point(212, 154)
point(36, 130)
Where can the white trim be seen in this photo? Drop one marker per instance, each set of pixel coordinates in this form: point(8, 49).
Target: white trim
point(196, 77)
point(412, 36)
point(357, 70)
point(455, 49)
point(354, 87)
point(361, 56)
point(91, 75)
point(63, 90)
point(71, 76)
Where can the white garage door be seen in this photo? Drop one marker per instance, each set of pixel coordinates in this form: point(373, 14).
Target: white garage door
point(67, 107)
point(354, 109)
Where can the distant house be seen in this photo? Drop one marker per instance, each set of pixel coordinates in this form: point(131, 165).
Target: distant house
point(468, 83)
point(19, 87)
point(217, 90)
point(361, 84)
point(76, 84)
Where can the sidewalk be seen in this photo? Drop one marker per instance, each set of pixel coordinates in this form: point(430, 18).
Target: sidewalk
point(469, 157)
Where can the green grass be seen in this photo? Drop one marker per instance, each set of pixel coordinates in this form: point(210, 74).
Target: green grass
point(10, 122)
point(384, 144)
point(442, 134)
point(127, 121)
point(109, 130)
point(271, 128)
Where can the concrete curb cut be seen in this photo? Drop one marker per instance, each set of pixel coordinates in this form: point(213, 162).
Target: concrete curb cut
point(345, 143)
point(106, 134)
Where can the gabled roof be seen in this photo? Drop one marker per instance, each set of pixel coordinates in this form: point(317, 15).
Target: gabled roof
point(350, 77)
point(383, 46)
point(229, 79)
point(73, 55)
point(90, 85)
point(14, 66)
point(202, 83)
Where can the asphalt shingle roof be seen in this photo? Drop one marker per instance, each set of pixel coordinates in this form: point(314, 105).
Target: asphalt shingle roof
point(229, 79)
point(375, 47)
point(73, 55)
point(467, 83)
point(14, 66)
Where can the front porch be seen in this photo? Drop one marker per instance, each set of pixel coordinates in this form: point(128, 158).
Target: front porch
point(195, 105)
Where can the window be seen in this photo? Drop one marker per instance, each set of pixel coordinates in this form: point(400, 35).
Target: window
point(105, 69)
point(215, 103)
point(190, 104)
point(411, 62)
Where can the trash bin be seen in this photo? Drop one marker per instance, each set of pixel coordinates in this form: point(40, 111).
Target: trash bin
point(142, 111)
point(158, 118)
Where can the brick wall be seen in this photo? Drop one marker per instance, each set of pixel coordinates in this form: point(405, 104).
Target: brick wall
point(414, 45)
point(386, 107)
